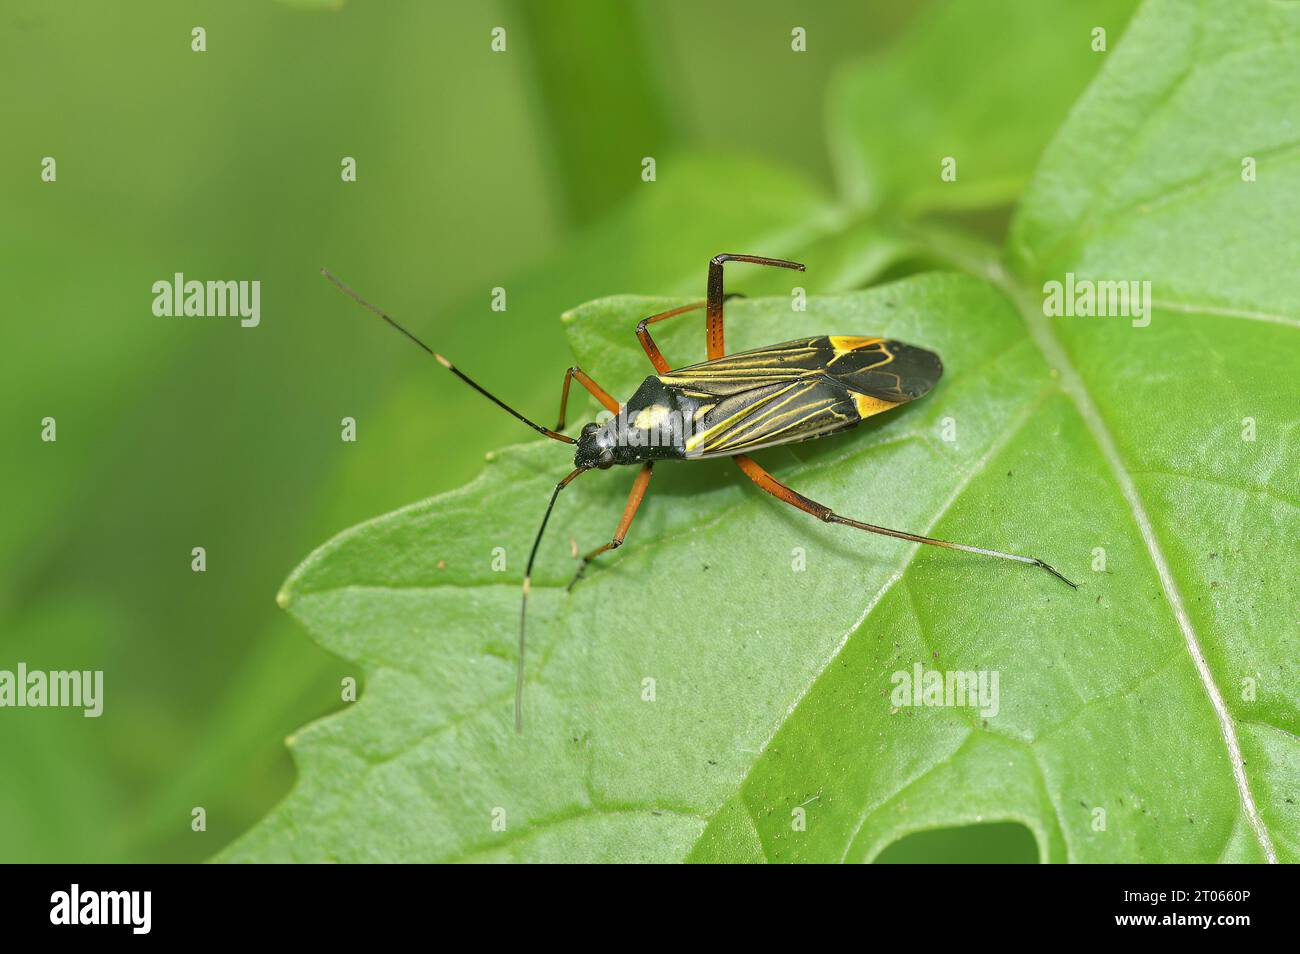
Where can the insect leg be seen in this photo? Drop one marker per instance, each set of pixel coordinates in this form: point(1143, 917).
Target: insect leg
point(633, 502)
point(651, 349)
point(779, 490)
point(716, 297)
point(584, 379)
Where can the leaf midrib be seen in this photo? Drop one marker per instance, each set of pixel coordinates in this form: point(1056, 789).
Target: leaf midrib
point(1075, 388)
point(992, 268)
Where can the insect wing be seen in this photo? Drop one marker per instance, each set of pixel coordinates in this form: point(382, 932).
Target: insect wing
point(775, 364)
point(811, 406)
point(798, 390)
point(892, 371)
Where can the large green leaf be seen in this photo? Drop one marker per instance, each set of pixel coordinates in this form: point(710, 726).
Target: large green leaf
point(1196, 413)
point(1150, 715)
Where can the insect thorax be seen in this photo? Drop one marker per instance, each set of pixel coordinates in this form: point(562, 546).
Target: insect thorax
point(654, 424)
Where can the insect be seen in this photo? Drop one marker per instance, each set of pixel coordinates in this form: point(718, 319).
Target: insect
point(728, 406)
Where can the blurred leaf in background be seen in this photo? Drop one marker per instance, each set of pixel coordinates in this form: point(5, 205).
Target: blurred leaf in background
point(179, 433)
point(985, 83)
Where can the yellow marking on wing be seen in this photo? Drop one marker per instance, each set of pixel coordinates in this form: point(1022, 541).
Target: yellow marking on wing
point(771, 425)
point(752, 421)
point(843, 343)
point(759, 358)
point(868, 405)
point(680, 378)
point(777, 435)
point(695, 440)
point(733, 444)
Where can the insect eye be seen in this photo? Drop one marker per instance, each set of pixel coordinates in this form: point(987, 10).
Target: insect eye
point(607, 458)
point(588, 429)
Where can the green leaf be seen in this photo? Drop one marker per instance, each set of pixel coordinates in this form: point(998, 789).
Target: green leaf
point(315, 4)
point(1196, 413)
point(1148, 716)
point(1145, 182)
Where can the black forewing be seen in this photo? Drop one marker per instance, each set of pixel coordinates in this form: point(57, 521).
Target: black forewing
point(811, 406)
point(775, 364)
point(800, 389)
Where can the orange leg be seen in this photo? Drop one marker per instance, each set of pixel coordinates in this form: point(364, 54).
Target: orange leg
point(716, 297)
point(779, 490)
point(713, 328)
point(633, 502)
point(652, 349)
point(584, 379)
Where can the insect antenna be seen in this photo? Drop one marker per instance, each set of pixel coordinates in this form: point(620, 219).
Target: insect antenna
point(546, 431)
point(523, 605)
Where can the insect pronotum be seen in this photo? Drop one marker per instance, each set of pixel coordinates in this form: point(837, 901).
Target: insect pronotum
point(728, 406)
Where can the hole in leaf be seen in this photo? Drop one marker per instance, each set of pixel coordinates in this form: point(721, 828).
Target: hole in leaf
point(995, 843)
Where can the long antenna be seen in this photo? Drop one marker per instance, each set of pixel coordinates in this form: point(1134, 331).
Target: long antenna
point(523, 606)
point(553, 435)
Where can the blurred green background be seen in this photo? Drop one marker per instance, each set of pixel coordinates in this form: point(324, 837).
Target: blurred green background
point(475, 169)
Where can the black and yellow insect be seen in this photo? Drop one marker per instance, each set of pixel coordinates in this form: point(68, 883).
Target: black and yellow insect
point(728, 406)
